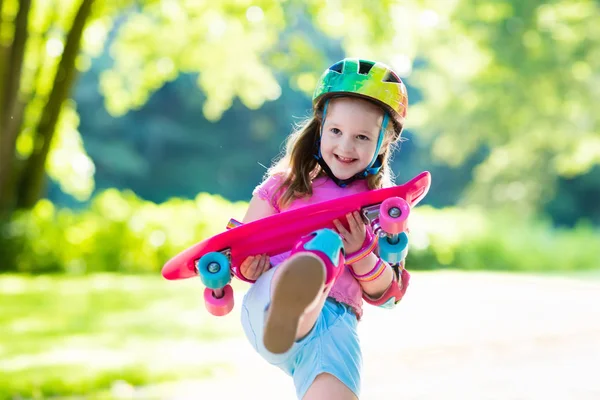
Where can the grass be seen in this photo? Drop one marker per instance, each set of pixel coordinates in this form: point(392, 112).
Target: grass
point(64, 336)
point(102, 335)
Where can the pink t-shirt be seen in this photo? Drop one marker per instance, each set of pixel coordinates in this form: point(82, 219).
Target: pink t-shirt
point(346, 289)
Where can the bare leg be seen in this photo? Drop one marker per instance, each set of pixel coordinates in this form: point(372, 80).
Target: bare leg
point(328, 387)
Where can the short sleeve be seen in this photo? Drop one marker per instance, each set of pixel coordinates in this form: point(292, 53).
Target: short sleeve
point(270, 190)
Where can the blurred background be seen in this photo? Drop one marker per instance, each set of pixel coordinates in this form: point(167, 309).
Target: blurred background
point(131, 129)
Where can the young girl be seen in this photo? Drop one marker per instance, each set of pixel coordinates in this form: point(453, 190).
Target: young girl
point(302, 314)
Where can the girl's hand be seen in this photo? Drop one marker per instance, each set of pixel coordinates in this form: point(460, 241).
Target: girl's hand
point(254, 266)
point(355, 237)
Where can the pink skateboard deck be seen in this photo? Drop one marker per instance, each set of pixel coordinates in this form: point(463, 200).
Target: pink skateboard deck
point(278, 233)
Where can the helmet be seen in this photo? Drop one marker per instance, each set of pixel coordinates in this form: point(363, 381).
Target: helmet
point(372, 80)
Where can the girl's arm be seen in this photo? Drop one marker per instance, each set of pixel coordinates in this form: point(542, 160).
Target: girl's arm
point(377, 287)
point(258, 209)
point(382, 284)
point(374, 276)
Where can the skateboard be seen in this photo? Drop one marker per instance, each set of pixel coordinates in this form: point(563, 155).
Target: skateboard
point(217, 259)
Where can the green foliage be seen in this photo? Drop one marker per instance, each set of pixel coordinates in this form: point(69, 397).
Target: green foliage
point(510, 82)
point(222, 41)
point(64, 336)
point(476, 239)
point(119, 232)
point(227, 44)
point(233, 48)
point(576, 199)
point(516, 80)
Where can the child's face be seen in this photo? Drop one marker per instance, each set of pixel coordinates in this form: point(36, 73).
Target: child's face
point(350, 135)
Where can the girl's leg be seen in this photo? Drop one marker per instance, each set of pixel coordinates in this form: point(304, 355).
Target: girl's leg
point(299, 289)
point(328, 387)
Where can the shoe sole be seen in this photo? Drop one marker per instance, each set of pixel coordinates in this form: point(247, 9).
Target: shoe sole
point(299, 285)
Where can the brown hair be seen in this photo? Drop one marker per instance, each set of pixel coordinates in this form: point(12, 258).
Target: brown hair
point(298, 165)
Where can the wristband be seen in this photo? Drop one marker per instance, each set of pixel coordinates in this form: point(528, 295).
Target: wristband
point(368, 246)
point(373, 274)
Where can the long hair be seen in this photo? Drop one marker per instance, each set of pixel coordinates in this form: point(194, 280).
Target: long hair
point(298, 165)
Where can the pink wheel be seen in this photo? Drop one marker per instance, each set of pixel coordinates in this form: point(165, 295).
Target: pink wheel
point(393, 214)
point(221, 306)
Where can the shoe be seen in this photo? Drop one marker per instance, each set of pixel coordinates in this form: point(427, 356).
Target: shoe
point(314, 264)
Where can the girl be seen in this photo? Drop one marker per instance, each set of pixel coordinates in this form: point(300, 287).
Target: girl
point(302, 315)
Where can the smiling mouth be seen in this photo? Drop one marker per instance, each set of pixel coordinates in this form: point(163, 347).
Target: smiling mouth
point(344, 159)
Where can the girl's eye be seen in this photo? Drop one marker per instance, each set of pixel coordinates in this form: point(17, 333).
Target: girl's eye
point(362, 137)
point(335, 131)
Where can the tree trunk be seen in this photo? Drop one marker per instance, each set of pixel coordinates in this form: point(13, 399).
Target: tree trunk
point(12, 107)
point(1, 3)
point(32, 182)
point(3, 57)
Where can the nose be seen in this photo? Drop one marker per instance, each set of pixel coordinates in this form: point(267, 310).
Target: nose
point(346, 144)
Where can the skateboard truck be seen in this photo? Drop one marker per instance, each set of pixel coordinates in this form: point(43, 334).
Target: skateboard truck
point(371, 216)
point(214, 270)
point(388, 221)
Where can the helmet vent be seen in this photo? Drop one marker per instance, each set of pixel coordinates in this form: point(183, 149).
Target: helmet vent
point(364, 67)
point(337, 67)
point(391, 77)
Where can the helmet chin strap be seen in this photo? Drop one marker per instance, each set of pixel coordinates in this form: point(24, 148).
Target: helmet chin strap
point(373, 167)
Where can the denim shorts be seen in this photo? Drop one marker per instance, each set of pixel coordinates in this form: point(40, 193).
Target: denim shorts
point(332, 346)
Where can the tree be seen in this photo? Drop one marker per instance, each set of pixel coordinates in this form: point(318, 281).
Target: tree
point(227, 43)
point(516, 80)
point(511, 81)
point(25, 94)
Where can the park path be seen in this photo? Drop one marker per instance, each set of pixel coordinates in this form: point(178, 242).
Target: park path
point(455, 336)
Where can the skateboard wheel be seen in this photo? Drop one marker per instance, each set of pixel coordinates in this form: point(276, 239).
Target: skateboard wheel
point(393, 253)
point(213, 269)
point(219, 306)
point(393, 212)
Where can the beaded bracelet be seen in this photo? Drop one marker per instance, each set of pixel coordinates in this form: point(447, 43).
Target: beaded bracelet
point(372, 274)
point(368, 246)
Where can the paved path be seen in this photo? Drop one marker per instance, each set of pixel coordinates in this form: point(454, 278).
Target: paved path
point(455, 336)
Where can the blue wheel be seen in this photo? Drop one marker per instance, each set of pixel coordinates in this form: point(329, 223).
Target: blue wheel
point(213, 269)
point(393, 253)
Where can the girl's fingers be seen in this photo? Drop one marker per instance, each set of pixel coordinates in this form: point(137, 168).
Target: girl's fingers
point(246, 264)
point(253, 265)
point(260, 264)
point(359, 218)
point(352, 221)
point(340, 228)
point(362, 227)
point(266, 261)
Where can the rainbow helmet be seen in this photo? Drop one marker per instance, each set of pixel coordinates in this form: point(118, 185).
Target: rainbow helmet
point(372, 80)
